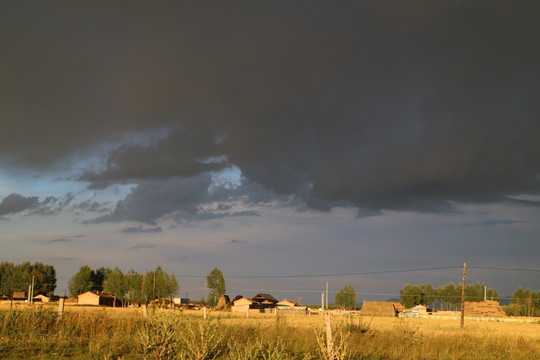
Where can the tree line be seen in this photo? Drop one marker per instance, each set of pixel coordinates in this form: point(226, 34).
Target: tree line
point(17, 278)
point(447, 296)
point(128, 287)
point(524, 302)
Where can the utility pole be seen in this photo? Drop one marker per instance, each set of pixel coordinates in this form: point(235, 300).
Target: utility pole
point(485, 290)
point(32, 292)
point(327, 295)
point(322, 302)
point(463, 296)
point(154, 289)
point(12, 289)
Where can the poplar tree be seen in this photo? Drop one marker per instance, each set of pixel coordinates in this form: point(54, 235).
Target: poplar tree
point(216, 284)
point(346, 297)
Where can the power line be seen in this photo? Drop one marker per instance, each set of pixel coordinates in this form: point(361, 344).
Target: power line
point(502, 269)
point(326, 275)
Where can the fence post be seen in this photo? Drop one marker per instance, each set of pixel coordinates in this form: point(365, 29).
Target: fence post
point(61, 307)
point(329, 339)
point(463, 296)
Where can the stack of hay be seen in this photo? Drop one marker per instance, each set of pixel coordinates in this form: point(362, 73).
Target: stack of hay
point(380, 308)
point(223, 303)
point(487, 308)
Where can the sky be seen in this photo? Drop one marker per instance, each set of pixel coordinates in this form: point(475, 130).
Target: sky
point(289, 144)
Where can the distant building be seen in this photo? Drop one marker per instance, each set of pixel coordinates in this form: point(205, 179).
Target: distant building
point(265, 300)
point(41, 298)
point(243, 304)
point(288, 306)
point(181, 301)
point(19, 295)
point(259, 303)
point(96, 298)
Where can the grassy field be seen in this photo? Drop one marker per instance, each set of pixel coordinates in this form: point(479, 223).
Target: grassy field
point(104, 333)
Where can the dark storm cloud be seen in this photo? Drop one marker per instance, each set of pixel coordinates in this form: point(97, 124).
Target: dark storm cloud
point(60, 240)
point(15, 203)
point(150, 200)
point(184, 199)
point(414, 106)
point(137, 247)
point(66, 239)
point(139, 229)
point(491, 223)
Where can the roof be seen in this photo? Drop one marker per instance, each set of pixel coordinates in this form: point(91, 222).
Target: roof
point(243, 301)
point(261, 297)
point(287, 303)
point(100, 294)
point(19, 295)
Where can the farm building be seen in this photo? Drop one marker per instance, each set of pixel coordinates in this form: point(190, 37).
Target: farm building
point(97, 298)
point(41, 298)
point(259, 302)
point(19, 295)
point(266, 300)
point(286, 303)
point(243, 304)
point(288, 306)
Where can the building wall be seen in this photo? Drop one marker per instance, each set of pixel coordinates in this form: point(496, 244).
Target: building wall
point(88, 299)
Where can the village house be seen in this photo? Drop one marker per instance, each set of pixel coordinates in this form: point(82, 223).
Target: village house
point(19, 295)
point(96, 298)
point(266, 301)
point(288, 306)
point(260, 303)
point(242, 304)
point(41, 298)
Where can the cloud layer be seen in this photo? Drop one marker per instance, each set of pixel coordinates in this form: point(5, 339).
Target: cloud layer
point(406, 107)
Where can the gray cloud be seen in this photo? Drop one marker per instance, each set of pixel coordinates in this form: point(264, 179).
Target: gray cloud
point(60, 240)
point(359, 105)
point(15, 203)
point(490, 223)
point(183, 199)
point(150, 200)
point(142, 230)
point(236, 241)
point(143, 246)
point(66, 239)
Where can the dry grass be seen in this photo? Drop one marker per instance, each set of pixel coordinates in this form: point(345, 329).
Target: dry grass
point(106, 333)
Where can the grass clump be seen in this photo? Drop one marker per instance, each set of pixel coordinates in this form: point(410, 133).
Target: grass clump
point(99, 334)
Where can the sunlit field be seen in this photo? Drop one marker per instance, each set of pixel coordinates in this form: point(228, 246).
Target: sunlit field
point(38, 332)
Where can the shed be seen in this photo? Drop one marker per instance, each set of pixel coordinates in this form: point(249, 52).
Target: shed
point(266, 299)
point(19, 295)
point(41, 298)
point(243, 304)
point(96, 298)
point(286, 304)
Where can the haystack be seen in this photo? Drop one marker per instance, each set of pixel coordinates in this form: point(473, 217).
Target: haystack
point(487, 308)
point(379, 308)
point(223, 303)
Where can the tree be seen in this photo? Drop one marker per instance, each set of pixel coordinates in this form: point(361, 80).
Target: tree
point(116, 284)
point(216, 284)
point(44, 279)
point(450, 295)
point(82, 281)
point(7, 278)
point(134, 282)
point(411, 295)
point(428, 295)
point(346, 297)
